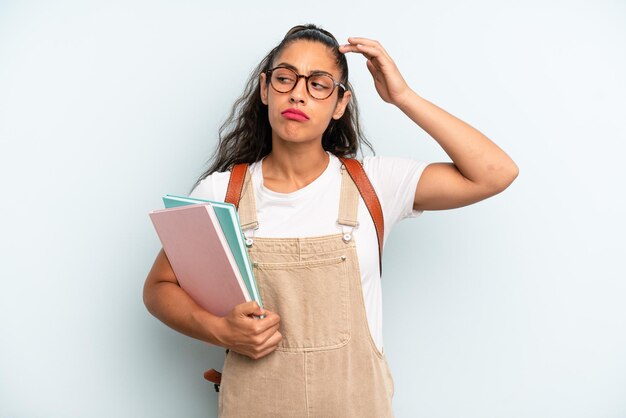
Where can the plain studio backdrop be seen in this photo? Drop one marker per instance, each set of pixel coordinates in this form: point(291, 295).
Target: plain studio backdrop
point(513, 307)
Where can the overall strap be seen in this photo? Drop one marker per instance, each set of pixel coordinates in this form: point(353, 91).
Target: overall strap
point(348, 201)
point(356, 171)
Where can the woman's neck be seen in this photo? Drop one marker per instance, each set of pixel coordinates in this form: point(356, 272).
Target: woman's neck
point(290, 168)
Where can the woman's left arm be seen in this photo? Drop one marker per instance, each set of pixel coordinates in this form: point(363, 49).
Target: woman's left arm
point(480, 169)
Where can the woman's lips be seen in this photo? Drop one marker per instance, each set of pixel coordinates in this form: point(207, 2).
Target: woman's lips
point(295, 114)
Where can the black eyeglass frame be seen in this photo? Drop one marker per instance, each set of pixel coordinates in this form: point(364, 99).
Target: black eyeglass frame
point(306, 81)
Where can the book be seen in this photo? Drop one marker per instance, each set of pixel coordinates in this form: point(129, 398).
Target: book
point(229, 221)
point(200, 256)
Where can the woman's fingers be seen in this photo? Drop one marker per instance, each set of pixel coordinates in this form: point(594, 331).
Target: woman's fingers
point(265, 333)
point(268, 338)
point(365, 46)
point(344, 49)
point(388, 80)
point(374, 54)
point(248, 309)
point(372, 69)
point(260, 349)
point(242, 327)
point(366, 50)
point(355, 40)
point(268, 346)
point(269, 320)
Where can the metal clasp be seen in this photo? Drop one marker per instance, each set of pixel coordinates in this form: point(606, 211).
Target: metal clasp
point(248, 236)
point(347, 230)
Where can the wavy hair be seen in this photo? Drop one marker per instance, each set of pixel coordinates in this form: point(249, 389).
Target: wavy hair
point(246, 134)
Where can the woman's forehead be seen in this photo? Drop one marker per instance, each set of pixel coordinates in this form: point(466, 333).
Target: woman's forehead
point(308, 56)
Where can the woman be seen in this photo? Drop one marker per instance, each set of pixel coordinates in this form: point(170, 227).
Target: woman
point(318, 349)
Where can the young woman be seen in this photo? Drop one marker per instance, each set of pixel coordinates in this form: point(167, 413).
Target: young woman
point(314, 233)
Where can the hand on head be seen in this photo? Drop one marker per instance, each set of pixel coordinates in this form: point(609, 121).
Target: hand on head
point(389, 83)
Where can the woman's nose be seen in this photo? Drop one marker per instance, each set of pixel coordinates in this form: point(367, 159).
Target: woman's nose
point(299, 93)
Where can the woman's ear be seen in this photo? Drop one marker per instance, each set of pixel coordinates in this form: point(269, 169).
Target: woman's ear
point(263, 88)
point(341, 105)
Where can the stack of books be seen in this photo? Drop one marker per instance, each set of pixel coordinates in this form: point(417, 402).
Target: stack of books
point(206, 249)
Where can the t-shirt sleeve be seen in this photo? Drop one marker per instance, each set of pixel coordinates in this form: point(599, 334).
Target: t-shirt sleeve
point(395, 180)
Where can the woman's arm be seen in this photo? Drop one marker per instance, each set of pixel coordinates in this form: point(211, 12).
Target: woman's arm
point(237, 331)
point(480, 169)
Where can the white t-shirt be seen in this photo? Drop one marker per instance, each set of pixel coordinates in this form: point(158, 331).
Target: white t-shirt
point(280, 215)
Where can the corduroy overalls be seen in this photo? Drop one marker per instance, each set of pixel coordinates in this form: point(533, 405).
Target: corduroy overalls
point(327, 364)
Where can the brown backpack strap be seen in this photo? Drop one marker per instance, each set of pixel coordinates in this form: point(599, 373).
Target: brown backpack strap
point(235, 184)
point(214, 377)
point(356, 171)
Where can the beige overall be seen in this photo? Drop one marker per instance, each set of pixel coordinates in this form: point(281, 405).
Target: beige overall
point(327, 364)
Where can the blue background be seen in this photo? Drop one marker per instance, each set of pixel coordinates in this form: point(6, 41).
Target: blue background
point(512, 307)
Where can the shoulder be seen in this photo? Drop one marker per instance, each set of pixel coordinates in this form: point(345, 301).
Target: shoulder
point(395, 179)
point(212, 187)
point(383, 171)
point(382, 164)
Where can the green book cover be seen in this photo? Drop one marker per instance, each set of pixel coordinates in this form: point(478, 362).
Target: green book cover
point(229, 221)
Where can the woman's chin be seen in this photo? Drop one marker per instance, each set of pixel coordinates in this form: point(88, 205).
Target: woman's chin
point(296, 139)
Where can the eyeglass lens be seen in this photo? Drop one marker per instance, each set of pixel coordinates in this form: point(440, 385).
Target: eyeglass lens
point(320, 86)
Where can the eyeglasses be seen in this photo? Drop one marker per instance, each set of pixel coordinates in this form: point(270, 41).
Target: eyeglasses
point(319, 85)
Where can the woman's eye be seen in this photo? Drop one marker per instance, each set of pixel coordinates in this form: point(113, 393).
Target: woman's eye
point(284, 79)
point(320, 83)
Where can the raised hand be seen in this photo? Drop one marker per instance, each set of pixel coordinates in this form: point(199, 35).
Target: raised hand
point(389, 83)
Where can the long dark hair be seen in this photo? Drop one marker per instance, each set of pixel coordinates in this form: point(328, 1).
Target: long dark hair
point(246, 135)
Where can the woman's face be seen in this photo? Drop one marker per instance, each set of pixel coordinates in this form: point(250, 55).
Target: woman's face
point(305, 57)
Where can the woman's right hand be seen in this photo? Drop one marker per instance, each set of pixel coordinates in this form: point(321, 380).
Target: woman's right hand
point(244, 332)
point(238, 331)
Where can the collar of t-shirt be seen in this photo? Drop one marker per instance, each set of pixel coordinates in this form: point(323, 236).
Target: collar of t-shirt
point(324, 181)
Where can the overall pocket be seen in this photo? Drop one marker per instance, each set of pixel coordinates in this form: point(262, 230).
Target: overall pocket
point(312, 299)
